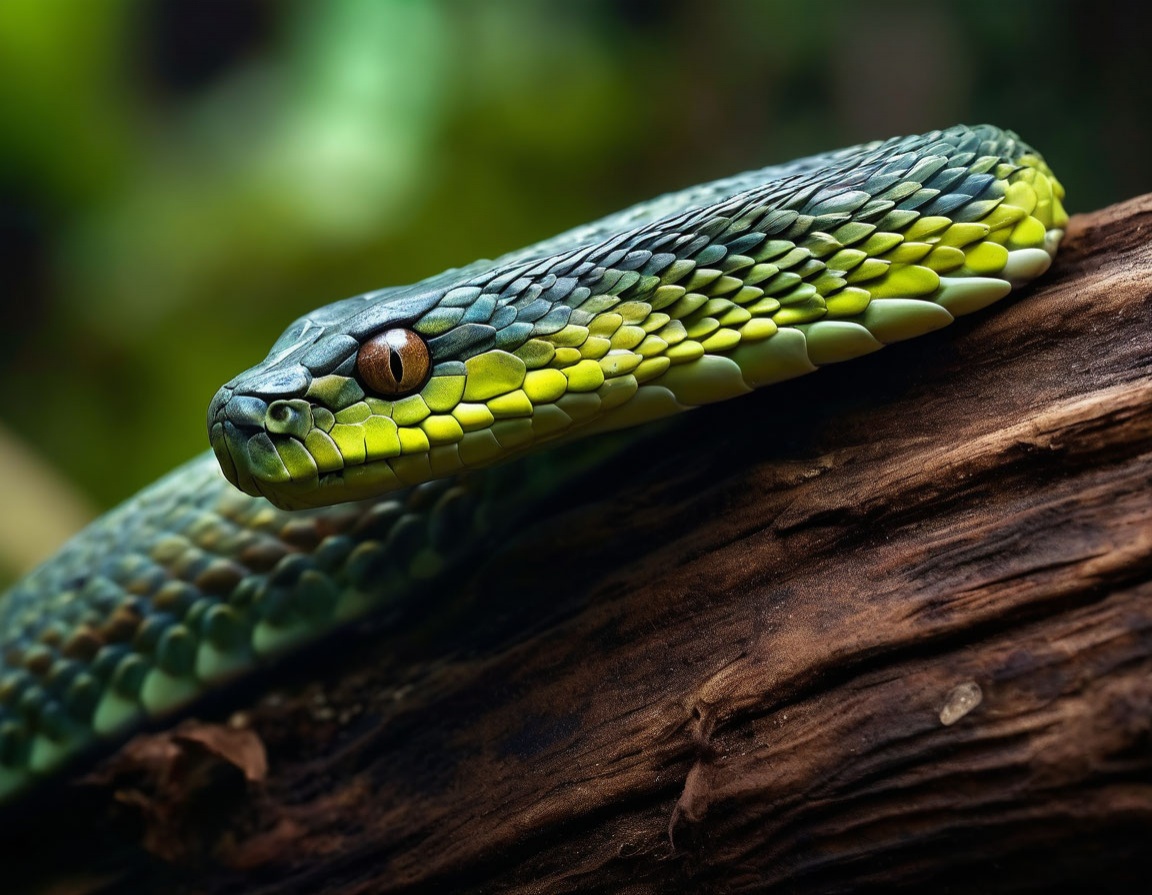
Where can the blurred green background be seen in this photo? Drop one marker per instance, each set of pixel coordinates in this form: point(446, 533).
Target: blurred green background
point(179, 179)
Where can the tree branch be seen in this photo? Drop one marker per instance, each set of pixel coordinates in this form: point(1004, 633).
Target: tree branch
point(886, 627)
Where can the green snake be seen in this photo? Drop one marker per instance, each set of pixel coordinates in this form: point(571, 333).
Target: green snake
point(363, 457)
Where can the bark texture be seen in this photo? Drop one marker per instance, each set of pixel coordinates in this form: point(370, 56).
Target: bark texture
point(886, 628)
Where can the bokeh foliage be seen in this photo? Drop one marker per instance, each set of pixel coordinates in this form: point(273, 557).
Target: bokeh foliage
point(181, 178)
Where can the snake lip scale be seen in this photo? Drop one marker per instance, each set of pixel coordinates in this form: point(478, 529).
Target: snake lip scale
point(363, 458)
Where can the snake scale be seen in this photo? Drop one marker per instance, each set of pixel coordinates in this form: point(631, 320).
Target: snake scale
point(361, 459)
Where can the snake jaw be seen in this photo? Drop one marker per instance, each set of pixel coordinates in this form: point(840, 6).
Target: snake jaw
point(284, 450)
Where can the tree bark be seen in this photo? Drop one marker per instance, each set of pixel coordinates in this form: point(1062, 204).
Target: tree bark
point(885, 628)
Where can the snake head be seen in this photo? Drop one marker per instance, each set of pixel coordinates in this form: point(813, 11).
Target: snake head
point(401, 386)
point(339, 400)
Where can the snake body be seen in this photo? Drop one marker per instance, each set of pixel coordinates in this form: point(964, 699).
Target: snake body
point(405, 401)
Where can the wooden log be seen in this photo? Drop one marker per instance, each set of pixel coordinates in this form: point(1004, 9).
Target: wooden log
point(887, 627)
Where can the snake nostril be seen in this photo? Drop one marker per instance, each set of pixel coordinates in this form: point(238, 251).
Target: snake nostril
point(289, 417)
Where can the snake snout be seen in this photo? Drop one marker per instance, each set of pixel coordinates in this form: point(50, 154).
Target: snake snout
point(236, 429)
point(219, 401)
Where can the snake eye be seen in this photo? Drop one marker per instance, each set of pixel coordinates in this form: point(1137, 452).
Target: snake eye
point(394, 363)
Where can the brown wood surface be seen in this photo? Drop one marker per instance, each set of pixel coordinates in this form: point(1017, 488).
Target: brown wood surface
point(727, 666)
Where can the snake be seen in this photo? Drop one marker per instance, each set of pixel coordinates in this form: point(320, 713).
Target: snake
point(366, 456)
